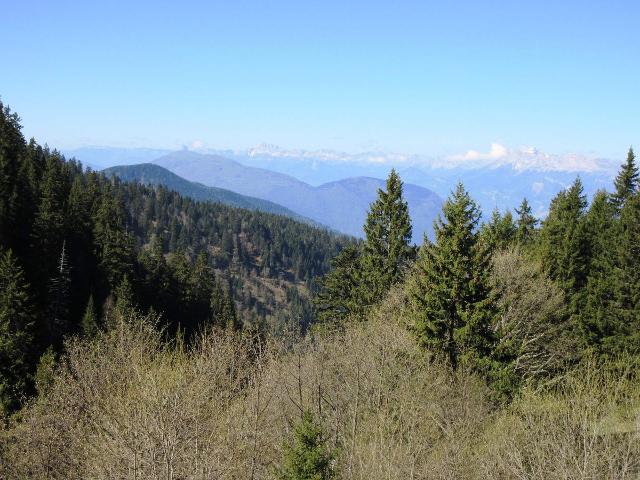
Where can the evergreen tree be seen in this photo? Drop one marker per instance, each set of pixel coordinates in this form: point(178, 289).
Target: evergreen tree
point(16, 324)
point(12, 147)
point(386, 250)
point(89, 319)
point(217, 304)
point(229, 314)
point(114, 247)
point(340, 288)
point(628, 261)
point(49, 224)
point(307, 457)
point(599, 321)
point(526, 223)
point(564, 243)
point(59, 296)
point(450, 290)
point(626, 183)
point(499, 232)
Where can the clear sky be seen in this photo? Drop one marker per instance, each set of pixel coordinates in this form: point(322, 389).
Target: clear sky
point(414, 77)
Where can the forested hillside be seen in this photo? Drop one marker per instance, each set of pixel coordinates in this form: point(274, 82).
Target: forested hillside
point(151, 174)
point(505, 348)
point(76, 246)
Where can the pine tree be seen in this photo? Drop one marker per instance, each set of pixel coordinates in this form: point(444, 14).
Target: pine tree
point(526, 223)
point(89, 319)
point(229, 314)
point(49, 224)
point(628, 261)
point(626, 183)
point(499, 232)
point(113, 245)
point(340, 288)
point(59, 299)
point(12, 148)
point(217, 303)
point(16, 329)
point(386, 250)
point(599, 321)
point(450, 290)
point(564, 246)
point(307, 457)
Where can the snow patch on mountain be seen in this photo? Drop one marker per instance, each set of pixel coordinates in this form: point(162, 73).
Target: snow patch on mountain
point(525, 158)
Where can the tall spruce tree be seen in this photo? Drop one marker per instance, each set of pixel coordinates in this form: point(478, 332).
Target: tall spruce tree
point(526, 223)
point(599, 322)
point(450, 291)
point(386, 250)
point(628, 260)
point(16, 332)
point(564, 243)
point(626, 183)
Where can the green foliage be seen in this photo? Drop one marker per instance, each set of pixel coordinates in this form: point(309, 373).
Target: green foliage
point(340, 288)
point(627, 336)
point(526, 223)
point(500, 232)
point(626, 183)
point(307, 456)
point(449, 290)
point(386, 252)
point(16, 332)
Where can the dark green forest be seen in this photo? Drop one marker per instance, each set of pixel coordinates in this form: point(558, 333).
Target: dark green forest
point(75, 244)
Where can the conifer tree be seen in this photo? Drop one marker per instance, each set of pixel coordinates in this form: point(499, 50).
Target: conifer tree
point(626, 183)
point(50, 220)
point(386, 248)
point(628, 260)
point(89, 319)
point(526, 223)
point(597, 317)
point(564, 247)
point(59, 297)
point(450, 290)
point(340, 288)
point(499, 232)
point(114, 246)
point(12, 146)
point(307, 457)
point(16, 330)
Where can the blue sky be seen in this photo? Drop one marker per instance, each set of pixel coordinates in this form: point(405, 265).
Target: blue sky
point(415, 77)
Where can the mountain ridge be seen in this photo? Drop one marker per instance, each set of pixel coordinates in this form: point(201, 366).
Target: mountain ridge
point(150, 173)
point(340, 204)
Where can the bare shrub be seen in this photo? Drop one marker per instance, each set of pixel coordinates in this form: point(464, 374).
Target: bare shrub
point(585, 428)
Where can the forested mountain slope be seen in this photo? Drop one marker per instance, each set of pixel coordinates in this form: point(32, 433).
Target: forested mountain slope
point(151, 174)
point(76, 245)
point(341, 205)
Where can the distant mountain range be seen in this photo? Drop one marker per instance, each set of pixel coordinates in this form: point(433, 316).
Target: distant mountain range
point(150, 174)
point(499, 178)
point(341, 205)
